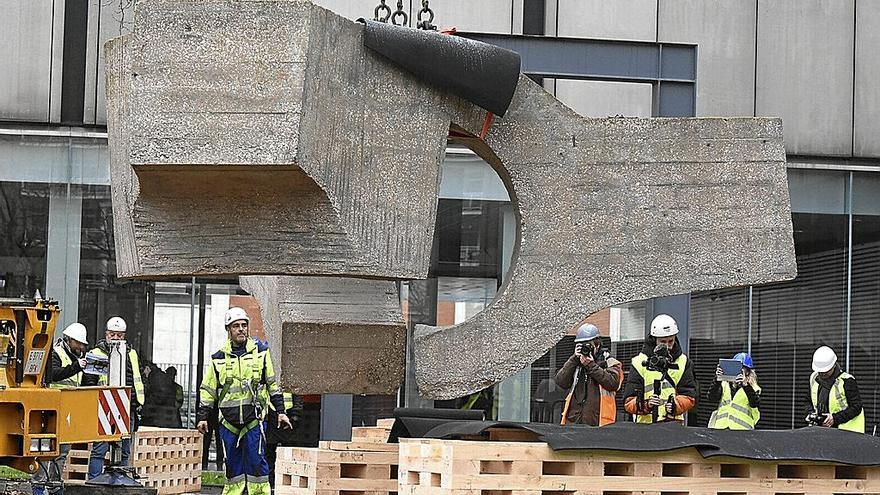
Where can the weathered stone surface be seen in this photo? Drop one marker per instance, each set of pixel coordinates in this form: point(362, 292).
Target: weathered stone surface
point(333, 334)
point(267, 140)
point(610, 211)
point(317, 157)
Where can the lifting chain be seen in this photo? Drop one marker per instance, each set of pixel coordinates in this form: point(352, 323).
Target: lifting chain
point(426, 24)
point(382, 8)
point(399, 13)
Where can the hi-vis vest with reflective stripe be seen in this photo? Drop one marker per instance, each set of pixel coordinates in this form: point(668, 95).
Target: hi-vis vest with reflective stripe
point(734, 413)
point(666, 389)
point(135, 373)
point(71, 381)
point(235, 383)
point(266, 402)
point(837, 402)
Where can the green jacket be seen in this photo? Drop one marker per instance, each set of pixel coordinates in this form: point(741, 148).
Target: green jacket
point(234, 383)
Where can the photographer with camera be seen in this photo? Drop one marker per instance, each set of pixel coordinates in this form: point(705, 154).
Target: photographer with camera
point(594, 378)
point(738, 401)
point(661, 385)
point(834, 395)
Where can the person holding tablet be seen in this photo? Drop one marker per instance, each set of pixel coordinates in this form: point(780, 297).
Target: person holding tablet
point(737, 393)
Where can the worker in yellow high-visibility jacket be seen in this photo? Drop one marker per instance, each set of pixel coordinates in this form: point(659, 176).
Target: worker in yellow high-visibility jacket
point(737, 401)
point(233, 383)
point(116, 329)
point(64, 372)
point(834, 395)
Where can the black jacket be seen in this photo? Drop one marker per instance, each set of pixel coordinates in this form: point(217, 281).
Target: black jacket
point(850, 390)
point(160, 404)
point(286, 437)
point(686, 386)
point(56, 372)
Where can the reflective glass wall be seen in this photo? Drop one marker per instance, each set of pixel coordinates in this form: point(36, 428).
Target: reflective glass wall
point(834, 301)
point(24, 224)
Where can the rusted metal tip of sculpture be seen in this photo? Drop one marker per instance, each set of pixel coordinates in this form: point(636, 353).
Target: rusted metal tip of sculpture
point(291, 165)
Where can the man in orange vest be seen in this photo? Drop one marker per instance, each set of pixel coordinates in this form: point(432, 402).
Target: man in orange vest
point(594, 378)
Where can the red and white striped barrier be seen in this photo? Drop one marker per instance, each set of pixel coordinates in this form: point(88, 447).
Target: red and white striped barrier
point(114, 406)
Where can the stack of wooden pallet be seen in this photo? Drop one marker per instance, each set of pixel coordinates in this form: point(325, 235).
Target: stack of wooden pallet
point(364, 466)
point(450, 467)
point(373, 434)
point(76, 469)
point(169, 460)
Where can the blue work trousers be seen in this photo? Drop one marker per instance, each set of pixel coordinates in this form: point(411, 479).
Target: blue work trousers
point(99, 450)
point(246, 466)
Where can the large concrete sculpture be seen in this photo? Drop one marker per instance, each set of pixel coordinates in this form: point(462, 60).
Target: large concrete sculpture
point(334, 333)
point(264, 138)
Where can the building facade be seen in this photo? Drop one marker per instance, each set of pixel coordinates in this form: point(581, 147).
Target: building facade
point(814, 63)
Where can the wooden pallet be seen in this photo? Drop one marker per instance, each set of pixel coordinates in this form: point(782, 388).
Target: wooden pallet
point(451, 467)
point(370, 434)
point(76, 468)
point(337, 468)
point(169, 460)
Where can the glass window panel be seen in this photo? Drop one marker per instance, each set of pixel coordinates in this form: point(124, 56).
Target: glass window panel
point(790, 320)
point(468, 236)
point(718, 329)
point(627, 329)
point(864, 361)
point(24, 223)
point(817, 191)
point(866, 193)
point(101, 294)
point(467, 176)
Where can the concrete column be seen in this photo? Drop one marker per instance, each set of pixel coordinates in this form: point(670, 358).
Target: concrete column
point(63, 251)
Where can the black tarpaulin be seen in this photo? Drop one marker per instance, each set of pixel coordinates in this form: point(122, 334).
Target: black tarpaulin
point(813, 444)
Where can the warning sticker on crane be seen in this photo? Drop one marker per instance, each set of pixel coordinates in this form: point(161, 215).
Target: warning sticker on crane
point(113, 411)
point(34, 362)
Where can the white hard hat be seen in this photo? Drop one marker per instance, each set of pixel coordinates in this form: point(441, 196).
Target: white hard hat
point(235, 314)
point(116, 324)
point(823, 359)
point(76, 331)
point(664, 326)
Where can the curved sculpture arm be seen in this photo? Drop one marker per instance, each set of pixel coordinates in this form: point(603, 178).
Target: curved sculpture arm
point(609, 211)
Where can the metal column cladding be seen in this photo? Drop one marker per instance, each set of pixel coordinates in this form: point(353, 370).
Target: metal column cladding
point(671, 68)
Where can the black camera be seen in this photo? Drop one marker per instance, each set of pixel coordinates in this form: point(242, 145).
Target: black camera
point(816, 419)
point(584, 349)
point(587, 349)
point(660, 360)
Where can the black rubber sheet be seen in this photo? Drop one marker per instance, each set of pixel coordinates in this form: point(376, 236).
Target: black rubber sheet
point(813, 444)
point(483, 74)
